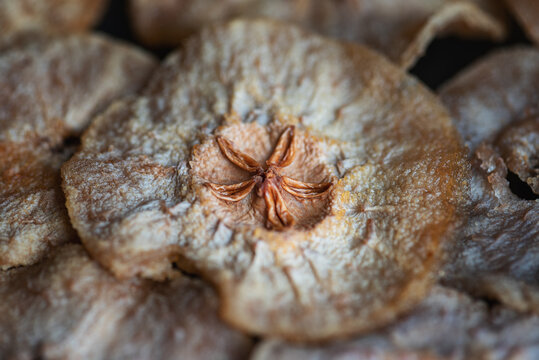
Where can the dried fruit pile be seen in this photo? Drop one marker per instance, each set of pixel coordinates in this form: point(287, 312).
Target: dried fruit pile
point(266, 191)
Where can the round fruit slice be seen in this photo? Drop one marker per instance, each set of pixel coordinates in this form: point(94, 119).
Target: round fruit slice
point(50, 89)
point(310, 180)
point(68, 307)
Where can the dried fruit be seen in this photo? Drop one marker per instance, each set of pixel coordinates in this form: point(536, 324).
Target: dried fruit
point(446, 325)
point(57, 16)
point(267, 179)
point(401, 33)
point(380, 152)
point(495, 108)
point(68, 307)
point(526, 12)
point(51, 87)
point(519, 147)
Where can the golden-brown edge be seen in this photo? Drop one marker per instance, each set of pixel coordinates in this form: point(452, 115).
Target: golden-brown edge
point(138, 194)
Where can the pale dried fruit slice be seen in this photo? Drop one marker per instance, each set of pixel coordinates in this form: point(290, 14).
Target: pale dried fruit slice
point(494, 104)
point(33, 217)
point(51, 88)
point(400, 32)
point(68, 307)
point(519, 295)
point(527, 12)
point(51, 16)
point(310, 180)
point(446, 325)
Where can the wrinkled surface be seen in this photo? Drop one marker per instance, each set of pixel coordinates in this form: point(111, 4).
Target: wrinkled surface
point(209, 167)
point(33, 216)
point(400, 32)
point(50, 88)
point(52, 16)
point(495, 106)
point(137, 190)
point(68, 307)
point(519, 147)
point(446, 325)
point(526, 12)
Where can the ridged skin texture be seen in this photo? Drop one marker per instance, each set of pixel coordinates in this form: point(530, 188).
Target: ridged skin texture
point(446, 325)
point(68, 307)
point(495, 108)
point(50, 89)
point(400, 32)
point(47, 16)
point(137, 190)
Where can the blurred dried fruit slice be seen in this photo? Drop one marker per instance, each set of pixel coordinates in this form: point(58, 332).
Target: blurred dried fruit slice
point(519, 295)
point(400, 32)
point(494, 104)
point(246, 106)
point(527, 12)
point(57, 16)
point(33, 217)
point(446, 325)
point(50, 89)
point(68, 307)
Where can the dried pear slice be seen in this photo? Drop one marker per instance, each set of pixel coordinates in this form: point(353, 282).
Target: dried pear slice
point(56, 17)
point(526, 12)
point(494, 105)
point(335, 179)
point(446, 325)
point(400, 32)
point(68, 307)
point(50, 89)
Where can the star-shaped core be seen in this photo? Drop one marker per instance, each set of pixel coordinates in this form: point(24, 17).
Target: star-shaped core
point(267, 180)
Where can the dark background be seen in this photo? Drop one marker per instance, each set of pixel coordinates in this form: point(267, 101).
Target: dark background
point(444, 58)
